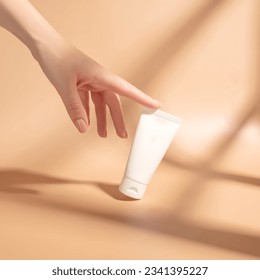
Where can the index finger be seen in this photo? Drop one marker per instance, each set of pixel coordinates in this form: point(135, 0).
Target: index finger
point(124, 88)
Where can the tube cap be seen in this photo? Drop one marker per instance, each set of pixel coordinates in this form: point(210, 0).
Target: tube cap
point(132, 188)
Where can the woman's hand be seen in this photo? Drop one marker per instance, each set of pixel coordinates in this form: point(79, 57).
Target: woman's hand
point(76, 77)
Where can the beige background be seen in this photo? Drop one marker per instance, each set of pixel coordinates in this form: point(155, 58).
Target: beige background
point(59, 194)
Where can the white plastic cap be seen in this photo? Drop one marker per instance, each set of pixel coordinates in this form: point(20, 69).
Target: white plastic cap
point(132, 188)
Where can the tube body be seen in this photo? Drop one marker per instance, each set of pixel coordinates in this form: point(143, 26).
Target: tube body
point(154, 134)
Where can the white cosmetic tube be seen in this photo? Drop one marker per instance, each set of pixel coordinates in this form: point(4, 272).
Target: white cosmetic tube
point(154, 134)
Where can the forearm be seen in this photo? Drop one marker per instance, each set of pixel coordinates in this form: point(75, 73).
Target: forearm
point(21, 19)
point(73, 74)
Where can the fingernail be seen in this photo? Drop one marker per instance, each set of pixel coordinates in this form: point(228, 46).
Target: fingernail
point(81, 125)
point(103, 134)
point(125, 134)
point(157, 103)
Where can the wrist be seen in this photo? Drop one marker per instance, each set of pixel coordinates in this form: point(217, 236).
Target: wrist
point(43, 40)
point(21, 19)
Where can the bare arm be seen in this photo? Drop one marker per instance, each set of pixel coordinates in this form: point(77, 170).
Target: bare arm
point(74, 75)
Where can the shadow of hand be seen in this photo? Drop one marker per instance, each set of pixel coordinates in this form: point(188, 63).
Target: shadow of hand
point(16, 181)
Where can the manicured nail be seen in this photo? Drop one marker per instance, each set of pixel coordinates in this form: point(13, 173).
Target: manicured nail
point(81, 125)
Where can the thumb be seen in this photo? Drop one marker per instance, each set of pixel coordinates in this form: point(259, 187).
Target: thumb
point(76, 110)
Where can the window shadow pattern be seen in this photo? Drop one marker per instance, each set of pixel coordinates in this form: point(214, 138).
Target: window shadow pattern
point(16, 182)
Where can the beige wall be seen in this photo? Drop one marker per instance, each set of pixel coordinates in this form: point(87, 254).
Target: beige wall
point(201, 60)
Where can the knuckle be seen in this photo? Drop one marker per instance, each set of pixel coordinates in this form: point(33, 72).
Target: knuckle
point(73, 106)
point(95, 97)
point(111, 99)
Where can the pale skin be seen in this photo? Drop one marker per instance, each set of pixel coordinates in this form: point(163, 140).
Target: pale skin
point(74, 75)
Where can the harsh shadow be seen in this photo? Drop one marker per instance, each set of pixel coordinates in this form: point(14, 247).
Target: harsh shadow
point(163, 222)
point(17, 181)
point(153, 220)
point(213, 174)
point(14, 182)
point(171, 46)
point(250, 112)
